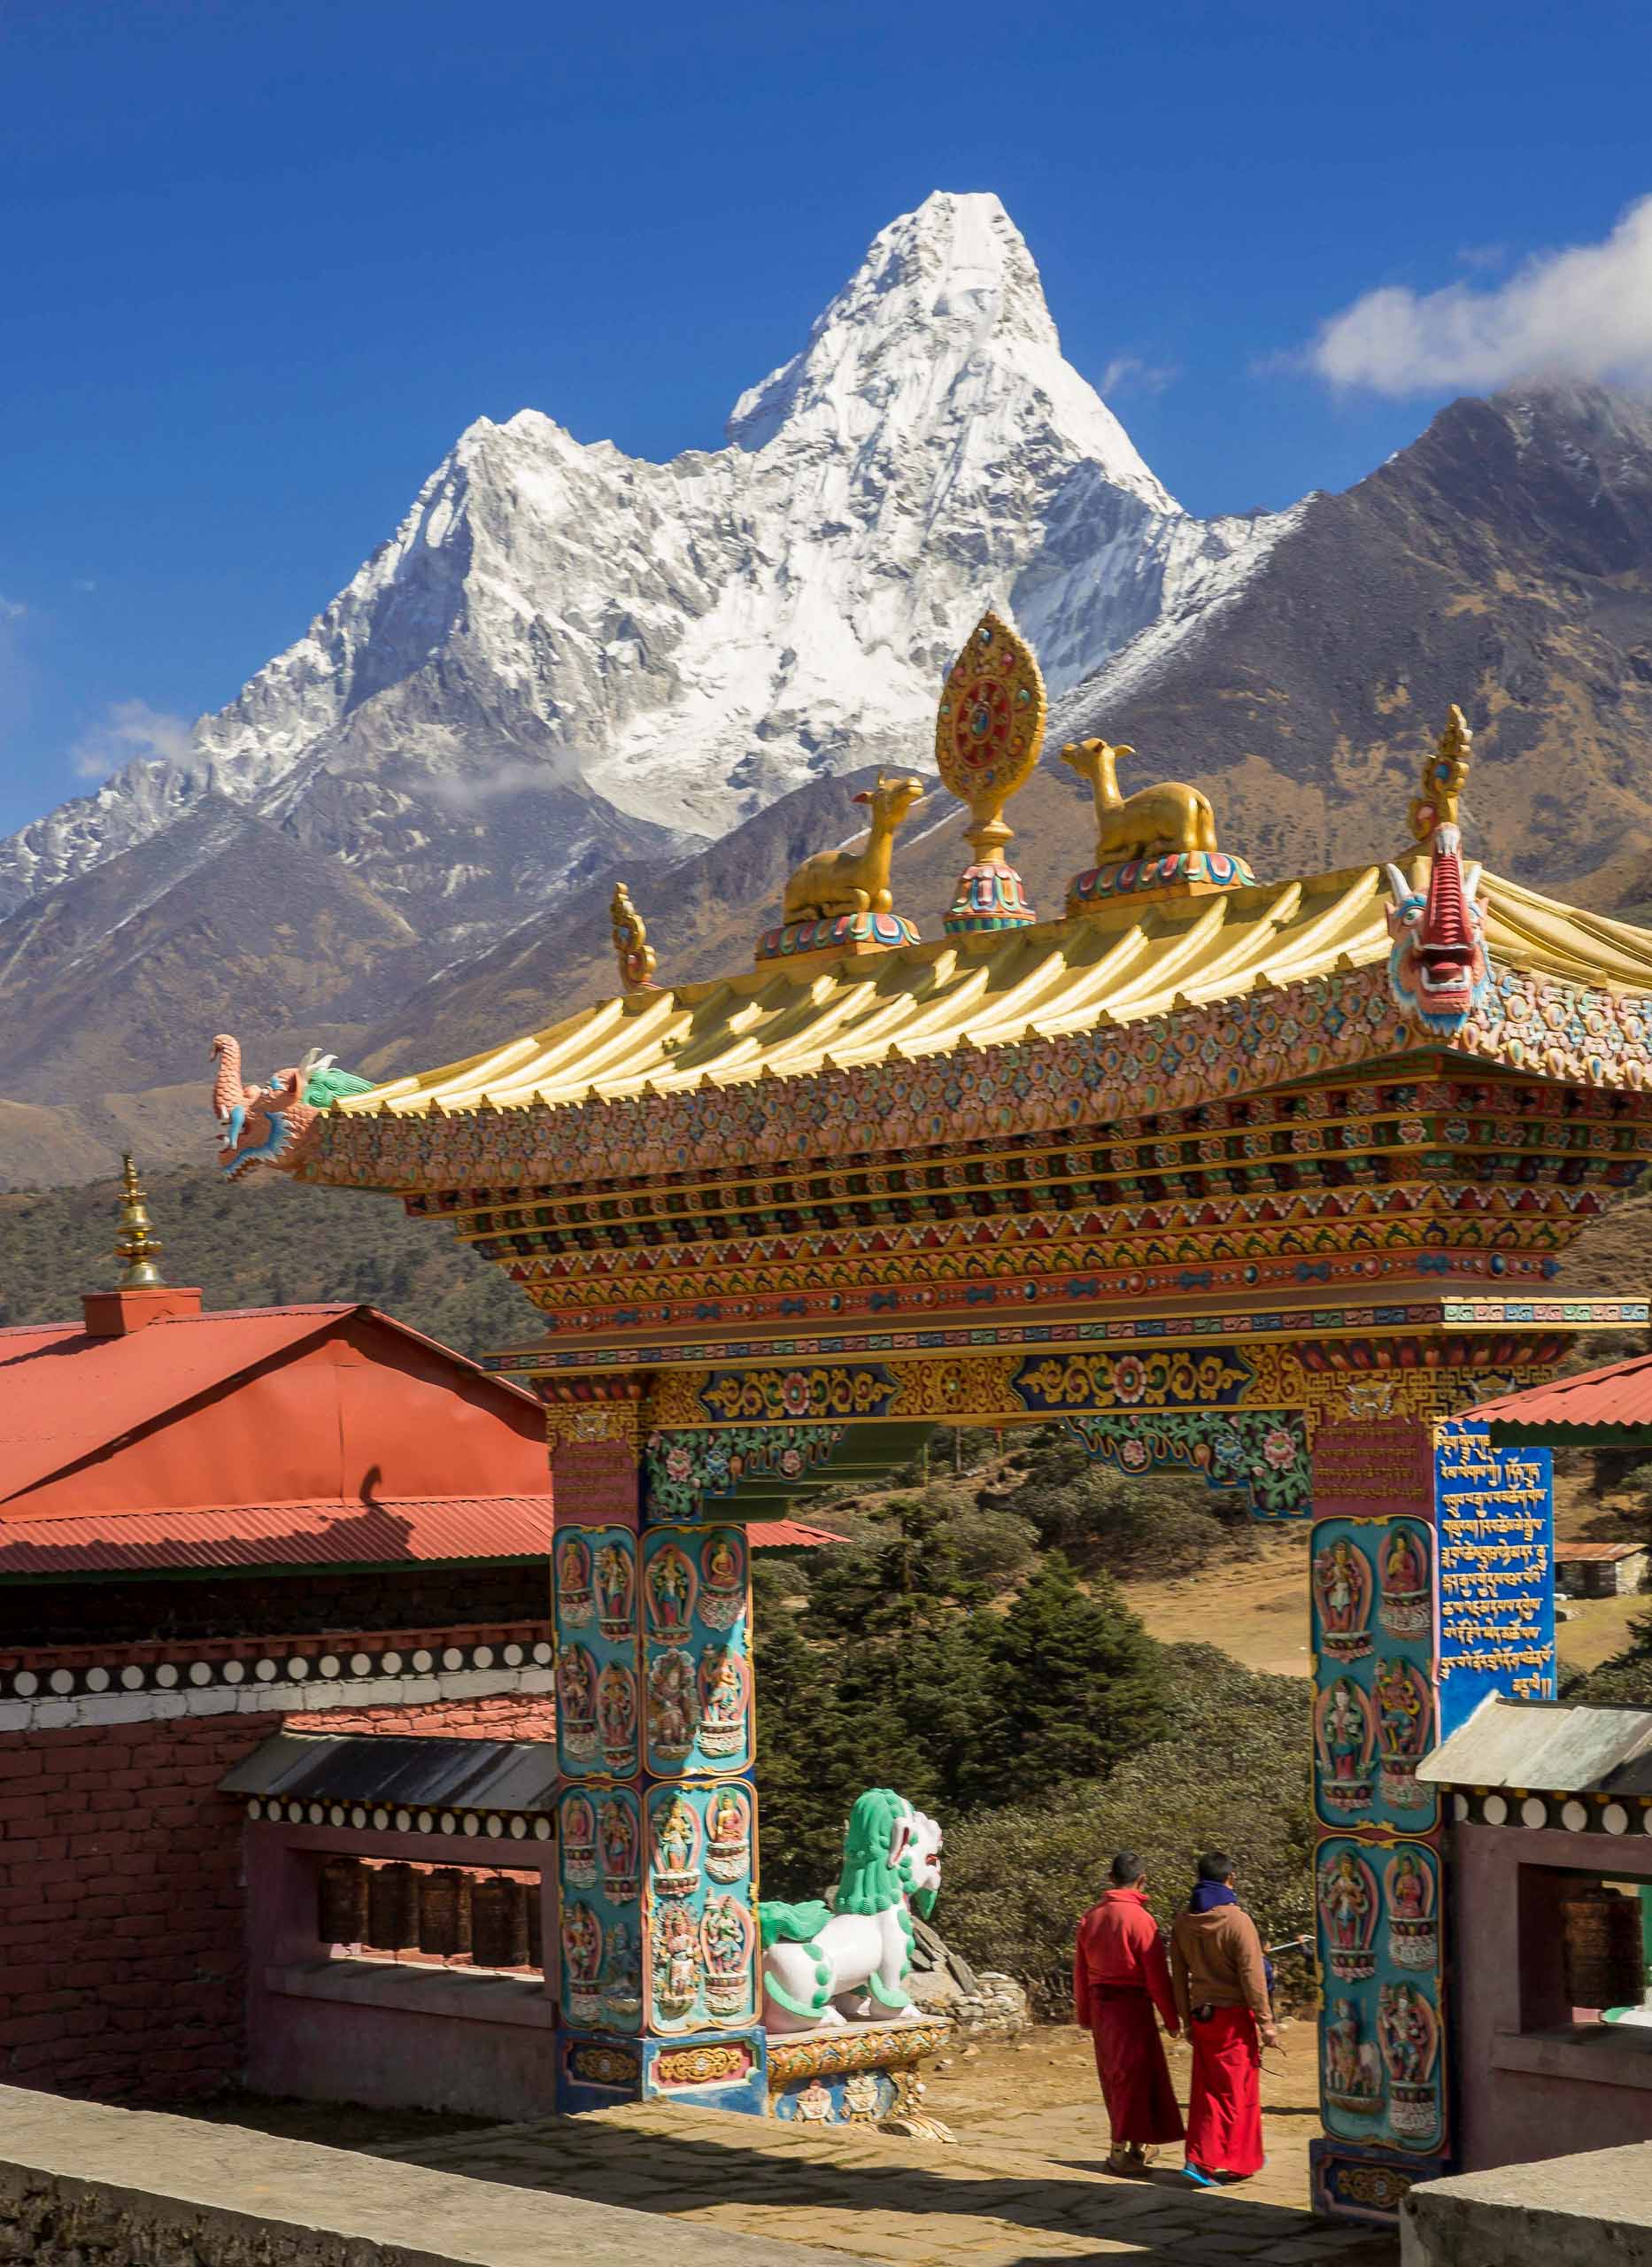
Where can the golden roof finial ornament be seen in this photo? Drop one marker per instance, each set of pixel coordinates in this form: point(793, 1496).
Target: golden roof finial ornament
point(988, 730)
point(1445, 778)
point(637, 957)
point(135, 1244)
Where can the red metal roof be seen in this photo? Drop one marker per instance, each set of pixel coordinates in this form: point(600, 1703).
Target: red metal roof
point(1619, 1395)
point(385, 1532)
point(65, 1395)
point(1596, 1554)
point(787, 1534)
point(281, 1534)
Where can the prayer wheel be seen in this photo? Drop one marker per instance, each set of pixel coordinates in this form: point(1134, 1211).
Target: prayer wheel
point(341, 1901)
point(392, 1909)
point(444, 1912)
point(499, 1923)
point(1605, 1964)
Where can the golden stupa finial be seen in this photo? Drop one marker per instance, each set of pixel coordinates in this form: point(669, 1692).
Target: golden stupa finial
point(988, 730)
point(135, 1244)
point(637, 957)
point(1445, 778)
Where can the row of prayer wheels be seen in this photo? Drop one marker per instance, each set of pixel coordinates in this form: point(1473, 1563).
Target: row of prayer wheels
point(443, 1910)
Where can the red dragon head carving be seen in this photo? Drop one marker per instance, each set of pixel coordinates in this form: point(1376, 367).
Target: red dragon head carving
point(1438, 970)
point(1437, 966)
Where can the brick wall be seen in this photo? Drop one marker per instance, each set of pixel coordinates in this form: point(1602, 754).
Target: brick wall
point(497, 1715)
point(122, 1972)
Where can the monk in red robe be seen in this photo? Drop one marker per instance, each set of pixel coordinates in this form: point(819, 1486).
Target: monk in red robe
point(1222, 1992)
point(1120, 1977)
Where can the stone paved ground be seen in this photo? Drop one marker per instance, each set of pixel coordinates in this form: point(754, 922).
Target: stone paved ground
point(1022, 2183)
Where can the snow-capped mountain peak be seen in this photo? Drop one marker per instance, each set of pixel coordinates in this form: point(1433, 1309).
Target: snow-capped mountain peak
point(946, 295)
point(563, 650)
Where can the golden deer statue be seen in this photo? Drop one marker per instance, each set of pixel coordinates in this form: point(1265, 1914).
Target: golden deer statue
point(1154, 822)
point(854, 881)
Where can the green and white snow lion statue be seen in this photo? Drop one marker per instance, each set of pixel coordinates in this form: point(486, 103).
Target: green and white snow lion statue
point(824, 1964)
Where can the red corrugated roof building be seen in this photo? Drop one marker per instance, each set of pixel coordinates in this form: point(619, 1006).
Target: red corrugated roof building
point(304, 1524)
point(1604, 1408)
point(153, 1434)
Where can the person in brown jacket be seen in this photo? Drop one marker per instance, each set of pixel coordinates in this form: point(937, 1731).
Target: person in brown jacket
point(1221, 1979)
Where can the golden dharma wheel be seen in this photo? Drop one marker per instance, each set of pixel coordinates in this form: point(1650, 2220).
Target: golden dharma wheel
point(990, 724)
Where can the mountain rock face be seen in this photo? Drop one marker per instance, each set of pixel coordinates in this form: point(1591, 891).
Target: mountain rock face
point(1504, 562)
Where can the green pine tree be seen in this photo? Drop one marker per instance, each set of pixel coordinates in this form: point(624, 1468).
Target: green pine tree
point(1078, 1685)
point(799, 1825)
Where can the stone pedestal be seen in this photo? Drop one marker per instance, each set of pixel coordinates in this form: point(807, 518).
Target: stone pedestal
point(854, 2074)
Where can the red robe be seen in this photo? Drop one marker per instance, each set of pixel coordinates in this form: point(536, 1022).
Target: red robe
point(1225, 2115)
point(1120, 1975)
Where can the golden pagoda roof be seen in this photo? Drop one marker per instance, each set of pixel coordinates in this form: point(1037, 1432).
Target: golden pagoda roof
point(1119, 963)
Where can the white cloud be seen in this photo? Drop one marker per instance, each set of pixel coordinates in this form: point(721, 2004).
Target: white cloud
point(1130, 374)
point(10, 610)
point(130, 730)
point(1584, 312)
point(84, 583)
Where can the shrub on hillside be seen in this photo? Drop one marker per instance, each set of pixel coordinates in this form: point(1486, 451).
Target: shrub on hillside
point(1153, 1523)
point(992, 1547)
point(1625, 1680)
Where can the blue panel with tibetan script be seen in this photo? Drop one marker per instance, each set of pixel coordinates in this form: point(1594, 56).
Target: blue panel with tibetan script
point(1494, 1508)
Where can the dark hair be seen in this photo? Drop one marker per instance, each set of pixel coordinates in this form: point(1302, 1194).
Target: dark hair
point(1216, 1865)
point(1127, 1867)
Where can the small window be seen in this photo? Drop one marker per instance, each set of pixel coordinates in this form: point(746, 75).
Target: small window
point(1585, 1946)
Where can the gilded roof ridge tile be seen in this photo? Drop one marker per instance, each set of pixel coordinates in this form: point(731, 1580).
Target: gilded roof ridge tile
point(1052, 979)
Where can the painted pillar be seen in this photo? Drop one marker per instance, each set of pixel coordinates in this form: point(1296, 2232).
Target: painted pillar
point(657, 1822)
point(1433, 1584)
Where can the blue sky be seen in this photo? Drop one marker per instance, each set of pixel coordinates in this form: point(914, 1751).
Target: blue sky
point(267, 260)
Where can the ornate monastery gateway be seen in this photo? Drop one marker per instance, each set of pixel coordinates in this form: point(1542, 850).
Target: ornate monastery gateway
point(1262, 1180)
